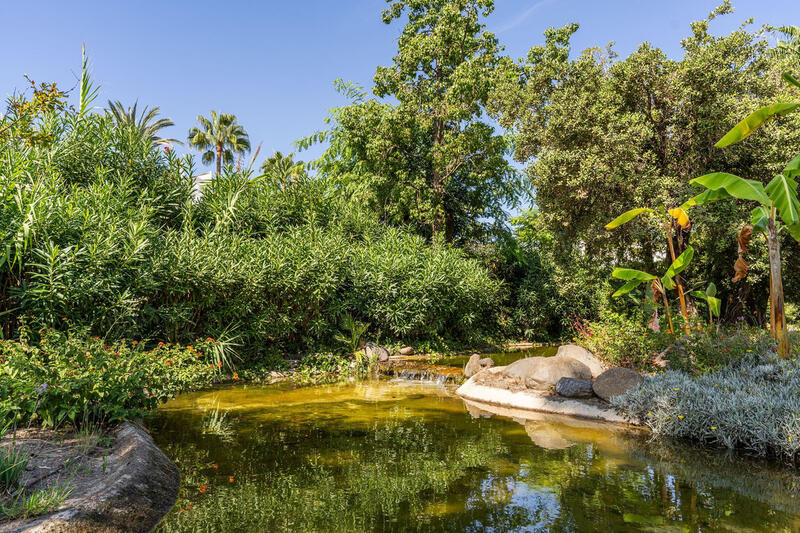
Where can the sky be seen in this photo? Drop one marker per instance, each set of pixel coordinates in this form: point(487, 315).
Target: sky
point(272, 63)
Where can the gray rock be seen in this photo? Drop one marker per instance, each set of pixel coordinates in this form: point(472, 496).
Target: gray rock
point(473, 366)
point(137, 488)
point(487, 362)
point(519, 368)
point(375, 352)
point(406, 350)
point(615, 381)
point(574, 388)
point(547, 371)
point(579, 353)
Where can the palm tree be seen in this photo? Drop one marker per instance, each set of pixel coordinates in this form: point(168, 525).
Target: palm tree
point(789, 46)
point(145, 123)
point(283, 170)
point(220, 137)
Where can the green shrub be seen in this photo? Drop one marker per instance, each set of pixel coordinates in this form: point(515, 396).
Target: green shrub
point(64, 378)
point(707, 349)
point(619, 340)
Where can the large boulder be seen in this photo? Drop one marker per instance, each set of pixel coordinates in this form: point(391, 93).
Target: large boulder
point(546, 372)
point(615, 381)
point(579, 353)
point(574, 388)
point(375, 352)
point(406, 350)
point(487, 362)
point(473, 366)
point(519, 368)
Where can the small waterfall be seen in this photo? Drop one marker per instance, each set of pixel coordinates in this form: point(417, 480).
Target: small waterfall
point(419, 371)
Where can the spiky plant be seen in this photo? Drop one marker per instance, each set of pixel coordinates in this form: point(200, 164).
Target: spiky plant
point(219, 137)
point(146, 122)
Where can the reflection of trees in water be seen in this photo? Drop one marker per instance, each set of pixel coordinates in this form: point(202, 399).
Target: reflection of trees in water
point(217, 422)
point(450, 473)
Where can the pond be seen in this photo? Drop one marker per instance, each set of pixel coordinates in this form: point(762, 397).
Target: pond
point(406, 456)
point(501, 358)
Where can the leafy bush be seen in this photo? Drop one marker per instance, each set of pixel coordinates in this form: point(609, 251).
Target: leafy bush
point(64, 378)
point(619, 340)
point(708, 349)
point(751, 404)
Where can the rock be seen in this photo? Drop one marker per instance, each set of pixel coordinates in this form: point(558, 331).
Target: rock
point(519, 368)
point(375, 352)
point(615, 381)
point(574, 388)
point(547, 371)
point(406, 350)
point(473, 366)
point(579, 353)
point(487, 362)
point(135, 489)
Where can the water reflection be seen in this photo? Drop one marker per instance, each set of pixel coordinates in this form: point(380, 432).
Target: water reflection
point(399, 456)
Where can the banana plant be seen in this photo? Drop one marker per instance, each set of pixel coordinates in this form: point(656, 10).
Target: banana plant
point(710, 298)
point(778, 207)
point(668, 219)
point(633, 278)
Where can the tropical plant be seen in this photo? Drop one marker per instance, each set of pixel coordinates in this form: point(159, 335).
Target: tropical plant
point(633, 278)
point(669, 220)
point(710, 297)
point(147, 124)
point(352, 331)
point(789, 46)
point(778, 209)
point(219, 138)
point(283, 170)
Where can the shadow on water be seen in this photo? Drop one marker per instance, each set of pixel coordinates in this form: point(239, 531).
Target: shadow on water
point(405, 456)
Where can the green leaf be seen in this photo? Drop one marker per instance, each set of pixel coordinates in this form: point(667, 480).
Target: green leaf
point(706, 197)
point(794, 231)
point(628, 274)
point(759, 218)
point(681, 262)
point(715, 304)
point(700, 295)
point(667, 282)
point(783, 193)
point(711, 290)
point(792, 170)
point(628, 287)
point(791, 79)
point(627, 217)
point(754, 120)
point(734, 185)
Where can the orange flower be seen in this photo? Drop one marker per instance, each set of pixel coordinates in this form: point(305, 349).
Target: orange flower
point(189, 507)
point(161, 344)
point(169, 362)
point(214, 466)
point(230, 479)
point(235, 376)
point(190, 348)
point(219, 364)
point(135, 342)
point(209, 339)
point(203, 488)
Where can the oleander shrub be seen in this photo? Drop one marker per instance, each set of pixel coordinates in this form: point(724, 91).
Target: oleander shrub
point(68, 378)
point(752, 404)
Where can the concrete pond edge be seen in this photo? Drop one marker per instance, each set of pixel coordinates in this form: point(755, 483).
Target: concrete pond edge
point(536, 401)
point(139, 488)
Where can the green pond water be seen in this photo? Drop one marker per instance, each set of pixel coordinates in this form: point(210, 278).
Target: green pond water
point(405, 456)
point(502, 358)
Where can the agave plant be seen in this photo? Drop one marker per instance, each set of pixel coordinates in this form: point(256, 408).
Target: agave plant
point(633, 278)
point(778, 207)
point(668, 220)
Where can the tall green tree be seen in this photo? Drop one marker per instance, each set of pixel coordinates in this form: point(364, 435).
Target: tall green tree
point(146, 123)
point(283, 170)
point(600, 134)
point(422, 153)
point(219, 137)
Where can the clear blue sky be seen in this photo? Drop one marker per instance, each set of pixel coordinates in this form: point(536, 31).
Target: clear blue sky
point(272, 63)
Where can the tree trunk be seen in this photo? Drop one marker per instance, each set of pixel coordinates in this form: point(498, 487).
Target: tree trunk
point(219, 158)
point(438, 181)
point(681, 296)
point(777, 315)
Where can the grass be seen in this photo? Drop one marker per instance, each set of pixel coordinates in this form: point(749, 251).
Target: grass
point(27, 504)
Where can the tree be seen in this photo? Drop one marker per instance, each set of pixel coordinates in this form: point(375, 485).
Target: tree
point(428, 160)
point(600, 134)
point(219, 137)
point(145, 123)
point(283, 170)
point(778, 210)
